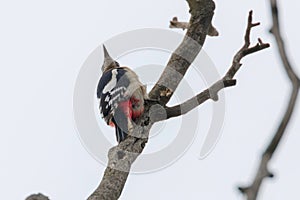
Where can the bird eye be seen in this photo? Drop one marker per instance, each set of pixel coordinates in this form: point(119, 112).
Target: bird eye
point(117, 64)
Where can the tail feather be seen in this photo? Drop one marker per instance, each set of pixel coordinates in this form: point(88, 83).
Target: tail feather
point(121, 124)
point(120, 134)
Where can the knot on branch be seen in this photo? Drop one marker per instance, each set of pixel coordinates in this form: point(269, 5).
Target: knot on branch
point(212, 31)
point(174, 23)
point(157, 113)
point(122, 156)
point(215, 88)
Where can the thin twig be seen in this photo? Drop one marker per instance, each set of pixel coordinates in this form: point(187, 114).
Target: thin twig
point(263, 172)
point(174, 23)
point(226, 81)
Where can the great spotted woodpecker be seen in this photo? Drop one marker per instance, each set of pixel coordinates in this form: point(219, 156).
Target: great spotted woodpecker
point(121, 96)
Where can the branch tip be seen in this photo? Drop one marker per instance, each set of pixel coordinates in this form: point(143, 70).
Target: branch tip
point(255, 24)
point(271, 175)
point(214, 96)
point(243, 190)
point(229, 83)
point(174, 23)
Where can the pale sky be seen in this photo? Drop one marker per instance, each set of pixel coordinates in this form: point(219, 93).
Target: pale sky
point(44, 45)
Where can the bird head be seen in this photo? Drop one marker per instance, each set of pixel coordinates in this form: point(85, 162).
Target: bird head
point(109, 62)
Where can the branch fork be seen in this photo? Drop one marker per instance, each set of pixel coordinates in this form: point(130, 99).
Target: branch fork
point(128, 150)
point(122, 156)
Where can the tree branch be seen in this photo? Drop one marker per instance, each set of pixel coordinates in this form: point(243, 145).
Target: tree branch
point(174, 23)
point(202, 12)
point(263, 172)
point(122, 156)
point(162, 113)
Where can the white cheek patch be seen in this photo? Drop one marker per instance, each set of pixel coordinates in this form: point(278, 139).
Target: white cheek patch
point(112, 83)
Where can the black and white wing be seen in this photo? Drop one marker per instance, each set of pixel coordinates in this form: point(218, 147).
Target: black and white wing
point(111, 91)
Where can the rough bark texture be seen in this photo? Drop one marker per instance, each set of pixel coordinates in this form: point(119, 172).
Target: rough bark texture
point(116, 173)
point(202, 12)
point(38, 196)
point(251, 192)
point(122, 156)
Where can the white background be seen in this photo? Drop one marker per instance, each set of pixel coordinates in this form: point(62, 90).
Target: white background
point(43, 45)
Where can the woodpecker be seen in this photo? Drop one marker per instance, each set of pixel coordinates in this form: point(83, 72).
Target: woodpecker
point(121, 96)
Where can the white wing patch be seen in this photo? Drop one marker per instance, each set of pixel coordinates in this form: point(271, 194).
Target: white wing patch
point(116, 96)
point(112, 83)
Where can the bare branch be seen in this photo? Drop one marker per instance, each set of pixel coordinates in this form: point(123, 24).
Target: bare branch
point(122, 156)
point(202, 12)
point(174, 23)
point(210, 93)
point(226, 81)
point(252, 191)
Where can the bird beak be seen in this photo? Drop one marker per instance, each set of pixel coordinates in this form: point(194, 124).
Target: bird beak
point(106, 54)
point(107, 59)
